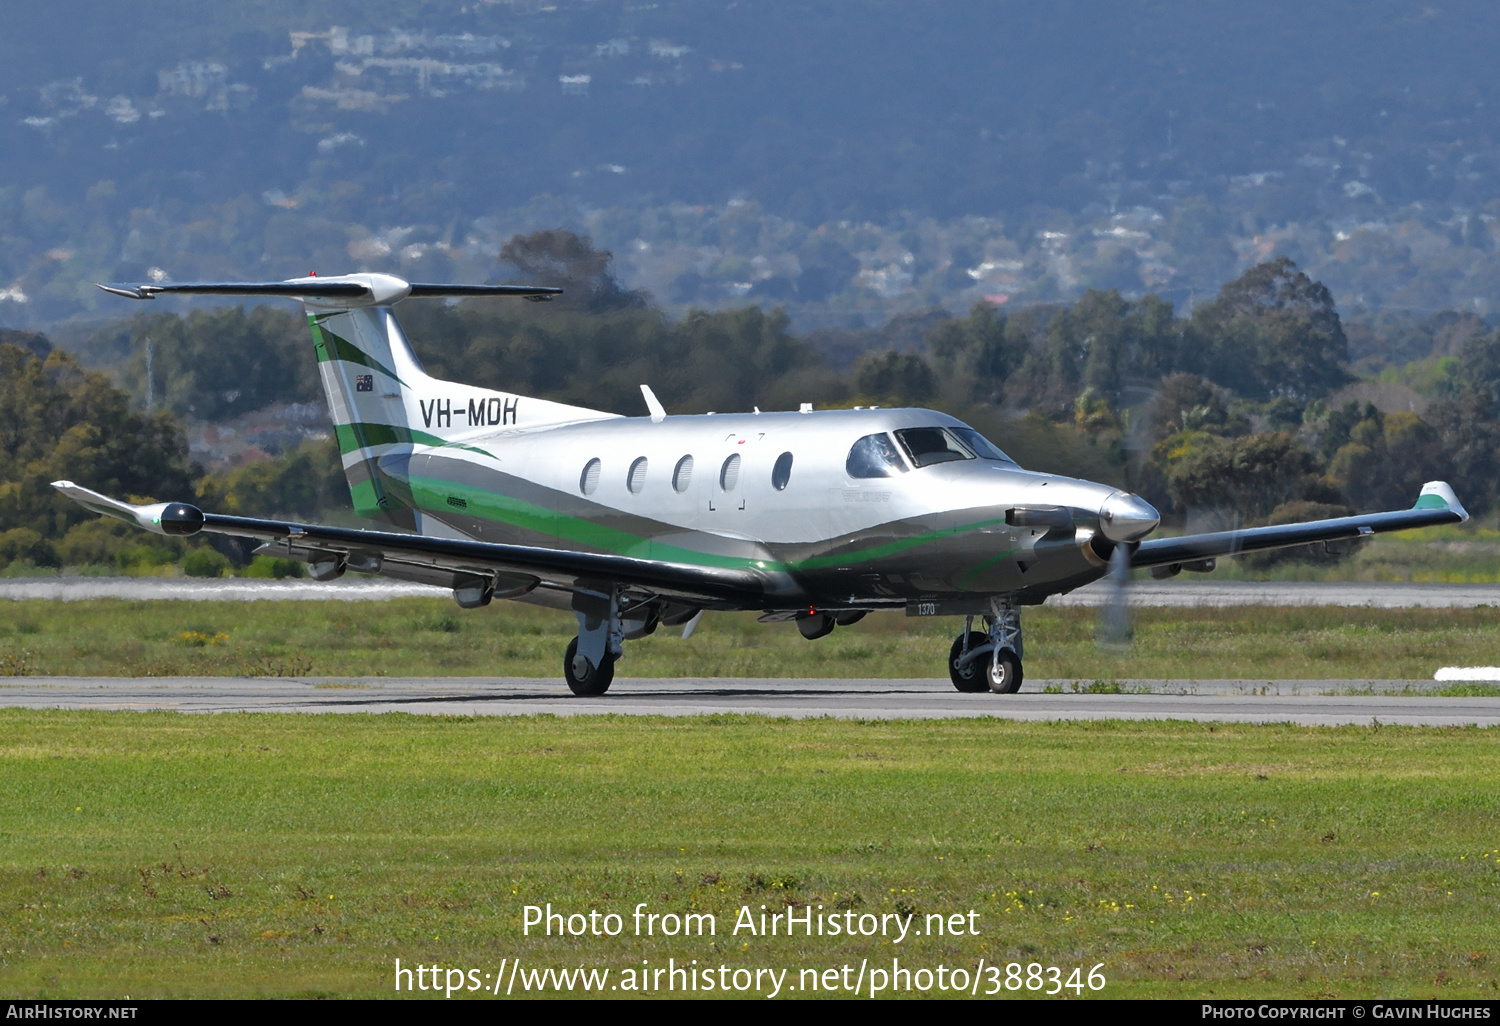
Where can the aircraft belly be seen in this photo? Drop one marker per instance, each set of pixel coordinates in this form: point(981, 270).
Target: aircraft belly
point(947, 554)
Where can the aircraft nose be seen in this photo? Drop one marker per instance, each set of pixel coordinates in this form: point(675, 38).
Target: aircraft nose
point(1125, 518)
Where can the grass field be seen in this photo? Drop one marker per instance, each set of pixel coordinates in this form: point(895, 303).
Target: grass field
point(161, 854)
point(424, 637)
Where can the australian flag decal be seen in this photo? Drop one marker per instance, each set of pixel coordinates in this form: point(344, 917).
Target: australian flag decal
point(364, 383)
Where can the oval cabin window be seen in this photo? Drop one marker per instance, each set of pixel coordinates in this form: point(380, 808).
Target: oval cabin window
point(729, 474)
point(781, 474)
point(589, 482)
point(637, 478)
point(683, 475)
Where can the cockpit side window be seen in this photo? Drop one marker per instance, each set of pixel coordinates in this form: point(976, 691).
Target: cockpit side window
point(874, 456)
point(981, 446)
point(928, 445)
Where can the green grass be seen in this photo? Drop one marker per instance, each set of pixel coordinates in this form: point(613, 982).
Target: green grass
point(423, 637)
point(160, 854)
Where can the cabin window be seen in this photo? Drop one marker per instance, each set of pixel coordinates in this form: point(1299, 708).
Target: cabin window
point(781, 474)
point(682, 476)
point(928, 445)
point(636, 479)
point(729, 473)
point(588, 483)
point(874, 456)
point(981, 446)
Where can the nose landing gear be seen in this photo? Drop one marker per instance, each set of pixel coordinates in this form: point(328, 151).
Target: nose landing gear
point(990, 660)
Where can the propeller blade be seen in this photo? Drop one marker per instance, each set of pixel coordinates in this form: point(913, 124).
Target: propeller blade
point(1115, 628)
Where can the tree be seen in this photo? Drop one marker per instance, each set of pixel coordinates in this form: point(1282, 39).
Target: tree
point(1185, 402)
point(894, 376)
point(1104, 342)
point(1273, 331)
point(58, 421)
point(215, 364)
point(1250, 475)
point(569, 261)
point(979, 353)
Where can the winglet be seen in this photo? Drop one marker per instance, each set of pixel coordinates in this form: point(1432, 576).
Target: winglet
point(658, 411)
point(1439, 495)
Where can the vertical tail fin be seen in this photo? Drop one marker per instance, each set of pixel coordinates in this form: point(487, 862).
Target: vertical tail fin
point(384, 406)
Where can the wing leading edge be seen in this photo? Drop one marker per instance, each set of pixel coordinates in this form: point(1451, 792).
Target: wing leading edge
point(512, 570)
point(1437, 504)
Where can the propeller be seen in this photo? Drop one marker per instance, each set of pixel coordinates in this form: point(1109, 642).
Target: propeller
point(1124, 519)
point(1115, 627)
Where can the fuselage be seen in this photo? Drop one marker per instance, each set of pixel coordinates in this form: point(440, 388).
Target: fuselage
point(771, 493)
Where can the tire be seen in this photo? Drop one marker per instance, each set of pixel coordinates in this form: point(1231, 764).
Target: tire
point(595, 681)
point(973, 678)
point(1004, 675)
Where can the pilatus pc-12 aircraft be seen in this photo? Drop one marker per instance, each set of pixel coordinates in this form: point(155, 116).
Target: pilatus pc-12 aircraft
point(639, 522)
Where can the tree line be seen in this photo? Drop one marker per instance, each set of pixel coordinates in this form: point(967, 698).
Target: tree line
point(1228, 408)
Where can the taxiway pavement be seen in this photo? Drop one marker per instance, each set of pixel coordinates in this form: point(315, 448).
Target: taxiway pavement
point(1178, 592)
point(1323, 702)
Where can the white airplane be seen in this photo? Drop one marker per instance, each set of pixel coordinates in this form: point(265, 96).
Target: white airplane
point(816, 517)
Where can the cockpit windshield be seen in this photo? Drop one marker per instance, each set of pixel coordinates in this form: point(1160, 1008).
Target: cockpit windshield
point(874, 456)
point(928, 445)
point(981, 446)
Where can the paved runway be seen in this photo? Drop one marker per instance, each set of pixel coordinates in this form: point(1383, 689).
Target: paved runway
point(1306, 702)
point(1176, 592)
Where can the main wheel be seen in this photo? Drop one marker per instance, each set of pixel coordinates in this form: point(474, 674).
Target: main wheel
point(1003, 675)
point(972, 678)
point(584, 678)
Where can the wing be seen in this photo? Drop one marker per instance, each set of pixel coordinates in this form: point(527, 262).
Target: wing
point(472, 567)
point(1435, 505)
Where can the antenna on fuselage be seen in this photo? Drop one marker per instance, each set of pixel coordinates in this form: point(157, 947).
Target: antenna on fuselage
point(658, 411)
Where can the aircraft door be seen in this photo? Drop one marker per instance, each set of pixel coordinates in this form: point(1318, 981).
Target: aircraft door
point(723, 495)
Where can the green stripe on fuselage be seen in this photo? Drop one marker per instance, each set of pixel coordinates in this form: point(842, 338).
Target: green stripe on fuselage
point(431, 494)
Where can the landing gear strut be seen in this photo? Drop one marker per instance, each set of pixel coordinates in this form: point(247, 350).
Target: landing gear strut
point(606, 619)
point(989, 660)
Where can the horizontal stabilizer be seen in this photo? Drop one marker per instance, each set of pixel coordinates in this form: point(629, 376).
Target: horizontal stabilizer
point(342, 291)
point(323, 289)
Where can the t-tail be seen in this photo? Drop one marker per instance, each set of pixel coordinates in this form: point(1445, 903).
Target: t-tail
point(383, 404)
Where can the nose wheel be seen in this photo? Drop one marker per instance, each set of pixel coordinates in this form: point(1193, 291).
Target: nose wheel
point(990, 660)
point(1004, 674)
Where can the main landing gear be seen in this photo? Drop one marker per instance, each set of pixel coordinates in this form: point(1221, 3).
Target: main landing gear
point(607, 618)
point(989, 660)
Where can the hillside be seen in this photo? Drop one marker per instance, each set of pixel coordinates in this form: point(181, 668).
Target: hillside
point(846, 161)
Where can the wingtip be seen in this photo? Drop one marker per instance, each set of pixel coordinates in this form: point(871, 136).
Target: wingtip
point(129, 292)
point(1436, 494)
